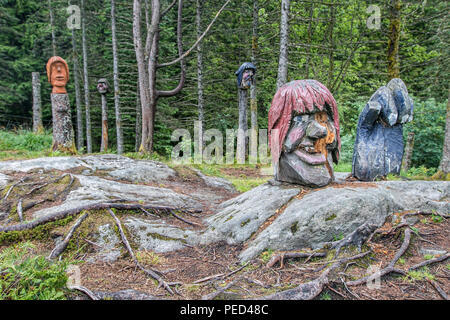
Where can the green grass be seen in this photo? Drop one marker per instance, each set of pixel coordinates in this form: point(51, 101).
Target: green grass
point(24, 276)
point(343, 167)
point(23, 144)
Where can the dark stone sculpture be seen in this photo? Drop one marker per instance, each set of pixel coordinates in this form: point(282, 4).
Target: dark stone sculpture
point(304, 133)
point(378, 148)
point(245, 75)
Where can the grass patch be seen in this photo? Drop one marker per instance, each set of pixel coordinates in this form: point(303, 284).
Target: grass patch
point(343, 167)
point(28, 277)
point(419, 275)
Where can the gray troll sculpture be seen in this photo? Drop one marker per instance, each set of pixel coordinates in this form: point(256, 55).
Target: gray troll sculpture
point(378, 148)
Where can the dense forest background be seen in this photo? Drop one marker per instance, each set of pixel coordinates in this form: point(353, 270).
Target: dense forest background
point(329, 41)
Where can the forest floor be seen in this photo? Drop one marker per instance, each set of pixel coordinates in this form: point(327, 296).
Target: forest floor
point(214, 271)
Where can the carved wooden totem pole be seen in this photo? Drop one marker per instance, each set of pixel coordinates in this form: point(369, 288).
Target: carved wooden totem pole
point(58, 76)
point(103, 89)
point(245, 79)
point(304, 133)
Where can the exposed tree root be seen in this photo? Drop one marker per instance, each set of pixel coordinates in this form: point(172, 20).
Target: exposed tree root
point(59, 249)
point(86, 291)
point(310, 290)
point(438, 289)
point(431, 261)
point(357, 238)
point(390, 267)
point(292, 255)
point(74, 211)
point(214, 294)
point(152, 273)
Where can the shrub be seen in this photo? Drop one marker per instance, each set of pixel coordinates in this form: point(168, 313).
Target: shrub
point(27, 277)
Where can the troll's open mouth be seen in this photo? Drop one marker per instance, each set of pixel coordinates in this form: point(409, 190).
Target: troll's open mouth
point(310, 156)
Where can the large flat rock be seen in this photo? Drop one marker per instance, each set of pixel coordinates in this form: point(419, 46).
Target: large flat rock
point(94, 189)
point(240, 217)
point(117, 167)
point(325, 215)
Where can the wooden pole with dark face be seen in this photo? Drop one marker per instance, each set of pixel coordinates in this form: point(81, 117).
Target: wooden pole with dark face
point(103, 89)
point(245, 80)
point(58, 76)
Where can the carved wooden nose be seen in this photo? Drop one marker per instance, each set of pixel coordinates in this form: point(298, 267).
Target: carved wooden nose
point(316, 131)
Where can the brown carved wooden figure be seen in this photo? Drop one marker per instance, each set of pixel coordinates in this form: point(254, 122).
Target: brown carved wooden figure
point(58, 74)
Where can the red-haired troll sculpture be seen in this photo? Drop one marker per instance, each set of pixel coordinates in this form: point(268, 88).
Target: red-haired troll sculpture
point(304, 133)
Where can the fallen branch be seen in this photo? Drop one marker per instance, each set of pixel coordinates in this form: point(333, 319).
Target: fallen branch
point(292, 255)
point(149, 272)
point(59, 249)
point(46, 218)
point(311, 289)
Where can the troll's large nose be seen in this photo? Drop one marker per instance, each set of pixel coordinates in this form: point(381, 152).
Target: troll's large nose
point(316, 131)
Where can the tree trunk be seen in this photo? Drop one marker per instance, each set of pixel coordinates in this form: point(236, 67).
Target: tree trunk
point(147, 76)
point(86, 81)
point(242, 130)
point(253, 154)
point(284, 40)
point(331, 39)
point(104, 144)
point(201, 116)
point(62, 124)
point(394, 38)
point(52, 27)
point(406, 163)
point(138, 121)
point(37, 109)
point(445, 161)
point(119, 131)
point(80, 136)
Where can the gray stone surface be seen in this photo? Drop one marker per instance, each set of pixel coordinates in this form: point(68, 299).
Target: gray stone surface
point(108, 242)
point(4, 180)
point(240, 217)
point(216, 182)
point(432, 251)
point(94, 189)
point(324, 215)
point(158, 236)
point(118, 167)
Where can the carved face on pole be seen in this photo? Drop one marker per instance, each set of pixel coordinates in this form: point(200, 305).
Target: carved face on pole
point(58, 74)
point(304, 131)
point(103, 86)
point(246, 75)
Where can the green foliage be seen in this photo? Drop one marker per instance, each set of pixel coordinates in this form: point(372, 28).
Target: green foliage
point(266, 255)
point(24, 140)
point(429, 127)
point(27, 277)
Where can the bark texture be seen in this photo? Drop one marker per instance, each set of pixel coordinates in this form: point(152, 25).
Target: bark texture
point(119, 131)
point(406, 163)
point(253, 152)
point(394, 39)
point(37, 106)
point(76, 77)
point(104, 144)
point(284, 41)
point(243, 126)
point(445, 161)
point(86, 82)
point(62, 124)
